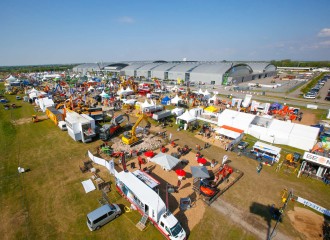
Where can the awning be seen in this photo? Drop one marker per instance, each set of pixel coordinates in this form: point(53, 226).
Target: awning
point(229, 131)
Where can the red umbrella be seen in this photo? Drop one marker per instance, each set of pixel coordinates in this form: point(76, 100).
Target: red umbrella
point(149, 154)
point(202, 160)
point(180, 172)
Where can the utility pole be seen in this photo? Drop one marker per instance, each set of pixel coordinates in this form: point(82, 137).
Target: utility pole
point(290, 195)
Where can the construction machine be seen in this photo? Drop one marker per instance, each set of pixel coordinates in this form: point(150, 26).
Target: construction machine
point(130, 137)
point(109, 130)
point(35, 118)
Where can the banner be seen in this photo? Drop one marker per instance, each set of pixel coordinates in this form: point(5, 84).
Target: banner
point(90, 155)
point(314, 206)
point(317, 159)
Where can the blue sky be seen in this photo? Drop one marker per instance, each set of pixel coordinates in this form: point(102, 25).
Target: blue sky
point(68, 31)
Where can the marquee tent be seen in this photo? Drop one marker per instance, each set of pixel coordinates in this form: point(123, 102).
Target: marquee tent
point(187, 117)
point(166, 100)
point(233, 118)
point(167, 162)
point(303, 137)
point(11, 79)
point(176, 99)
point(104, 95)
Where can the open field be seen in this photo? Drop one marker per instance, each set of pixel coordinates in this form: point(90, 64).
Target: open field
point(49, 202)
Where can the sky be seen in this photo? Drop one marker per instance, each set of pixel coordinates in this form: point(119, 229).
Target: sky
point(79, 31)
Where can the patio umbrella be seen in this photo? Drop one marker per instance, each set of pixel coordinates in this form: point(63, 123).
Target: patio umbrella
point(199, 172)
point(149, 154)
point(180, 172)
point(202, 161)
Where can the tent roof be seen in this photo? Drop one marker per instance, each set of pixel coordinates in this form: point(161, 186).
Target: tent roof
point(233, 118)
point(199, 172)
point(176, 99)
point(166, 161)
point(211, 109)
point(187, 117)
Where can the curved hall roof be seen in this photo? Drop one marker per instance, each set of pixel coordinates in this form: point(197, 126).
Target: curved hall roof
point(213, 67)
point(184, 67)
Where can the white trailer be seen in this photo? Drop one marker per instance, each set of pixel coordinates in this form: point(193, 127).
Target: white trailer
point(147, 201)
point(80, 127)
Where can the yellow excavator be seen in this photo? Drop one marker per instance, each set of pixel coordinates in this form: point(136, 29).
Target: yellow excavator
point(130, 137)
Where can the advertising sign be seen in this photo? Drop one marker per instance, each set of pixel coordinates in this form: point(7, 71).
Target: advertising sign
point(314, 206)
point(317, 159)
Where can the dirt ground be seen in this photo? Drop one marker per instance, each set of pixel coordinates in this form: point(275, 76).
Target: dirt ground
point(29, 120)
point(307, 222)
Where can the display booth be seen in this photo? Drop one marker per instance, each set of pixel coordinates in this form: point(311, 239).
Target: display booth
point(315, 166)
point(267, 151)
point(229, 136)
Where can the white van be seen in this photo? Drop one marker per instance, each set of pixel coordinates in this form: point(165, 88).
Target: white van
point(102, 216)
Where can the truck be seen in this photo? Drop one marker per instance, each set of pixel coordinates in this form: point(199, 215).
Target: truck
point(162, 114)
point(153, 109)
point(149, 204)
point(109, 130)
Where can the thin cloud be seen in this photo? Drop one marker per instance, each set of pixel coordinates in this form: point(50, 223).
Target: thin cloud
point(325, 32)
point(325, 43)
point(126, 20)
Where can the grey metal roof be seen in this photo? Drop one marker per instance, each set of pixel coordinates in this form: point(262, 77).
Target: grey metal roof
point(213, 68)
point(134, 66)
point(164, 67)
point(184, 67)
point(150, 66)
point(258, 66)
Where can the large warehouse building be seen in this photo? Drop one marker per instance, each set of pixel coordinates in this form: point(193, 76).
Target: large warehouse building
point(216, 73)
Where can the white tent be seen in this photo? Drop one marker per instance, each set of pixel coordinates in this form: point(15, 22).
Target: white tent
point(200, 91)
point(45, 103)
point(235, 119)
point(279, 131)
point(176, 99)
point(303, 137)
point(228, 132)
point(206, 93)
point(214, 98)
point(90, 89)
point(146, 104)
point(167, 162)
point(187, 117)
point(11, 79)
point(124, 92)
point(104, 95)
point(178, 111)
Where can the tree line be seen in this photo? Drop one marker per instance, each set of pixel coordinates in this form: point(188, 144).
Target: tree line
point(290, 63)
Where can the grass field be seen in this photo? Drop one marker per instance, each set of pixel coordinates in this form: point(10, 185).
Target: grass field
point(49, 202)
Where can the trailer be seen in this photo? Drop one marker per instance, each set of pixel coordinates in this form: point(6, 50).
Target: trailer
point(55, 115)
point(153, 109)
point(162, 114)
point(147, 201)
point(81, 127)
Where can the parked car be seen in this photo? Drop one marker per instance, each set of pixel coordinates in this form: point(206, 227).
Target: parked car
point(327, 97)
point(242, 145)
point(102, 215)
point(3, 100)
point(310, 96)
point(18, 98)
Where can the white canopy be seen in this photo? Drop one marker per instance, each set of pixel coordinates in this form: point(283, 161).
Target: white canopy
point(187, 117)
point(214, 98)
point(104, 95)
point(176, 99)
point(166, 161)
point(11, 79)
point(227, 132)
point(206, 93)
point(178, 111)
point(200, 91)
point(91, 89)
point(124, 92)
point(146, 104)
point(235, 119)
